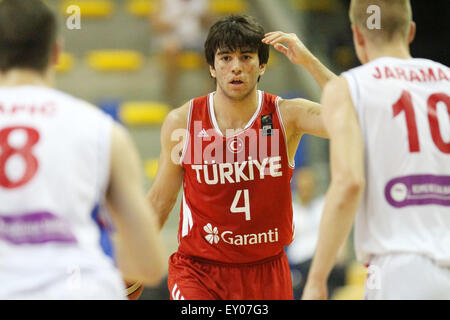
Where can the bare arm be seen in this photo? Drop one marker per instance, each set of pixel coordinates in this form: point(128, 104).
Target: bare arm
point(169, 177)
point(300, 115)
point(303, 116)
point(140, 249)
point(346, 187)
point(291, 46)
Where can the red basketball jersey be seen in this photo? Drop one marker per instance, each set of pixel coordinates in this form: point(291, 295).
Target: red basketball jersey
point(236, 205)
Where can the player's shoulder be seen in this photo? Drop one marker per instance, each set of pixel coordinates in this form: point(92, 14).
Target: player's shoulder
point(120, 137)
point(178, 117)
point(70, 101)
point(290, 107)
point(338, 85)
point(270, 98)
point(60, 95)
point(176, 120)
point(336, 95)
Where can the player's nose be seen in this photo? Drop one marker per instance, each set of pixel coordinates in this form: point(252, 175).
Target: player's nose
point(236, 66)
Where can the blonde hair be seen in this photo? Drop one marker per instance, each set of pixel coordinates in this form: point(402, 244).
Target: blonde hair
point(396, 17)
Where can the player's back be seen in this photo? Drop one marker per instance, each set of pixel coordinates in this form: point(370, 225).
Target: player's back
point(54, 171)
point(403, 107)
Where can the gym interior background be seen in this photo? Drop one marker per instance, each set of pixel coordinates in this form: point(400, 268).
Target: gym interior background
point(113, 61)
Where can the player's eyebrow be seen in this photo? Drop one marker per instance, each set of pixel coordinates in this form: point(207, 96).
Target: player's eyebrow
point(228, 51)
point(247, 50)
point(223, 52)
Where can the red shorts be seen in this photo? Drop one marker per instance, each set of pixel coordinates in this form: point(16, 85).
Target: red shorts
point(196, 279)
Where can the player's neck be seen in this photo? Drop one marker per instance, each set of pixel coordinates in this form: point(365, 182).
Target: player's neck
point(236, 111)
point(399, 51)
point(22, 77)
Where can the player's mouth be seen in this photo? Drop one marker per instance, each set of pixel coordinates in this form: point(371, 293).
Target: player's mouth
point(236, 83)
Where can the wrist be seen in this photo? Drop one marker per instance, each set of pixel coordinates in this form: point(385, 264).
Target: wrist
point(315, 278)
point(310, 61)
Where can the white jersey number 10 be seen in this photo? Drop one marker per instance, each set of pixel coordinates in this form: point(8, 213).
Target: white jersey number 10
point(404, 104)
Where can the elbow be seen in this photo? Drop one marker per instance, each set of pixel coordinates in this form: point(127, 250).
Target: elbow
point(351, 186)
point(161, 206)
point(356, 186)
point(152, 199)
point(348, 193)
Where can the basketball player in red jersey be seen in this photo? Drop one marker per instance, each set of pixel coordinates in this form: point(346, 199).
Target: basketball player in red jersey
point(233, 150)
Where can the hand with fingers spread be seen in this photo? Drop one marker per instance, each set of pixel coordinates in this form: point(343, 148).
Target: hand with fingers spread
point(290, 45)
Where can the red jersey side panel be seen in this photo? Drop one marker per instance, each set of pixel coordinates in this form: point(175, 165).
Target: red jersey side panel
point(237, 205)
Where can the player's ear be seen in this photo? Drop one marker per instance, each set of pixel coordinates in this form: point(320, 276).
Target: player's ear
point(412, 32)
point(262, 69)
point(212, 71)
point(56, 51)
point(358, 36)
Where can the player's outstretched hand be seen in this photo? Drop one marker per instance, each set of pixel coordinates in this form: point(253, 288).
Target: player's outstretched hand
point(290, 45)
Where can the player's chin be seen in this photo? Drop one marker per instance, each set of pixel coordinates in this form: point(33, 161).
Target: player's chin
point(238, 93)
point(237, 86)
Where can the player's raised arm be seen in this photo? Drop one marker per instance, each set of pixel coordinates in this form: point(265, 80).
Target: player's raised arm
point(302, 116)
point(346, 187)
point(164, 190)
point(294, 49)
point(140, 249)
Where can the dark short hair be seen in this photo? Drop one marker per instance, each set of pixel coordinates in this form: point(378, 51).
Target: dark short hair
point(236, 32)
point(27, 34)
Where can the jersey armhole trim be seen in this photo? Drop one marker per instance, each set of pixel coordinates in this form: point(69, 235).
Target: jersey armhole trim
point(188, 129)
point(277, 107)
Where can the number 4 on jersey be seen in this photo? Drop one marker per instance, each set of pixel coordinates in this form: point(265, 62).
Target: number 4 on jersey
point(246, 208)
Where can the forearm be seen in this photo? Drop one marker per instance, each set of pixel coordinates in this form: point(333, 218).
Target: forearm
point(138, 263)
point(297, 53)
point(124, 259)
point(318, 70)
point(162, 207)
point(138, 245)
point(337, 220)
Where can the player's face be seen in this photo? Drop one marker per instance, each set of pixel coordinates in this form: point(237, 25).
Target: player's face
point(236, 72)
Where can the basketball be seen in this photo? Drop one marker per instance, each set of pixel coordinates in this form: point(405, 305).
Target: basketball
point(134, 290)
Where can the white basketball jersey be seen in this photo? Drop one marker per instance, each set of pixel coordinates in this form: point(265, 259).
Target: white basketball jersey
point(54, 170)
point(403, 108)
